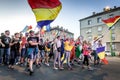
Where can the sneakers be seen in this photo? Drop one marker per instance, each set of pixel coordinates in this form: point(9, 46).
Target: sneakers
point(38, 66)
point(90, 69)
point(27, 69)
point(47, 64)
point(61, 68)
point(11, 67)
point(17, 63)
point(56, 62)
point(55, 68)
point(31, 73)
point(21, 64)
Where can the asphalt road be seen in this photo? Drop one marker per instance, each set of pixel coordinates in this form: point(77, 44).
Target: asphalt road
point(101, 72)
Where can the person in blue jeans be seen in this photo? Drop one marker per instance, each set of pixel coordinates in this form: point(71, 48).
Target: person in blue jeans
point(5, 39)
point(33, 42)
point(15, 50)
point(41, 47)
point(1, 51)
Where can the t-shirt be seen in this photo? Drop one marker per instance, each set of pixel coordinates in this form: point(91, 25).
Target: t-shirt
point(33, 39)
point(67, 46)
point(94, 45)
point(58, 42)
point(15, 46)
point(85, 50)
point(41, 47)
point(0, 44)
point(6, 41)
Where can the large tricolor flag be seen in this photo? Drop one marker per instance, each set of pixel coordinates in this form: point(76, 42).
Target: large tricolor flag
point(45, 11)
point(111, 21)
point(101, 54)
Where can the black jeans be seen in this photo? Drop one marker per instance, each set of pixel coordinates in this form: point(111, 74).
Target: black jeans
point(86, 60)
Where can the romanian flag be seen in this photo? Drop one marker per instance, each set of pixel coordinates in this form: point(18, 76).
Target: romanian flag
point(111, 21)
point(45, 28)
point(101, 54)
point(26, 28)
point(45, 10)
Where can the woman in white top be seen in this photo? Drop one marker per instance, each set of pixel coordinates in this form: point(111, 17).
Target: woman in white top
point(57, 52)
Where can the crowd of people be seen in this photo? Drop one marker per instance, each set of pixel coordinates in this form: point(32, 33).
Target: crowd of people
point(32, 49)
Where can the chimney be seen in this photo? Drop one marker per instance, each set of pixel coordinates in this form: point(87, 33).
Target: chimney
point(115, 7)
point(93, 13)
point(103, 9)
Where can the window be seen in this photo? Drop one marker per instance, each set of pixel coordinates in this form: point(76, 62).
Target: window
point(89, 31)
point(89, 38)
point(89, 22)
point(113, 36)
point(71, 36)
point(113, 46)
point(99, 28)
point(99, 20)
point(111, 15)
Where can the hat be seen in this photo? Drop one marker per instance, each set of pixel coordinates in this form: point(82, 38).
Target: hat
point(95, 38)
point(31, 31)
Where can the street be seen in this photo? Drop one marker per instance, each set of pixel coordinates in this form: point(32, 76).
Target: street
point(102, 72)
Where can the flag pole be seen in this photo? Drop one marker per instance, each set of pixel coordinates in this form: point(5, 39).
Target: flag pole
point(111, 43)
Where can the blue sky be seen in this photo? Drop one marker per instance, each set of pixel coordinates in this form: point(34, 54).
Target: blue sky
point(16, 14)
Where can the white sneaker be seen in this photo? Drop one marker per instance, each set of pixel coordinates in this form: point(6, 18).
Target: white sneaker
point(17, 63)
point(90, 69)
point(47, 64)
point(61, 68)
point(55, 68)
point(56, 62)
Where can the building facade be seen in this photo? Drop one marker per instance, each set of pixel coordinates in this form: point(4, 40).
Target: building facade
point(55, 31)
point(93, 26)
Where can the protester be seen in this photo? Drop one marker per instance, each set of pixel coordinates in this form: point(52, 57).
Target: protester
point(57, 52)
point(1, 49)
point(41, 47)
point(23, 47)
point(86, 54)
point(33, 42)
point(68, 47)
point(37, 51)
point(37, 54)
point(15, 50)
point(78, 52)
point(94, 48)
point(47, 51)
point(5, 39)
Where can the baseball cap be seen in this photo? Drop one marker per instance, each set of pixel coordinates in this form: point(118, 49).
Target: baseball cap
point(31, 31)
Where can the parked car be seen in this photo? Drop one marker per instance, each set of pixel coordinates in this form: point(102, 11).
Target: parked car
point(107, 53)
